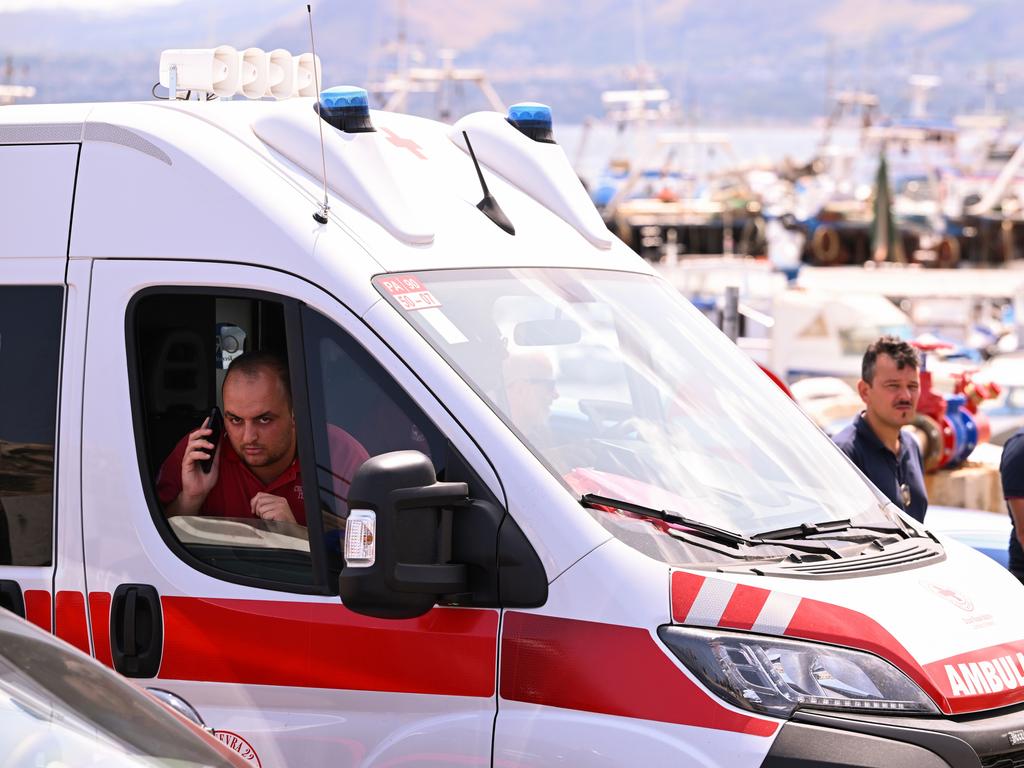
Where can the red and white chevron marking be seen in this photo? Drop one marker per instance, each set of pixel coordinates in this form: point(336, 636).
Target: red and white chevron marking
point(704, 602)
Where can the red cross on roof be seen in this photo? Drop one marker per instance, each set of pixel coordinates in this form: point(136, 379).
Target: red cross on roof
point(409, 144)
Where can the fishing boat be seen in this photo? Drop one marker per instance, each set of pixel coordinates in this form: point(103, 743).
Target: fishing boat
point(670, 189)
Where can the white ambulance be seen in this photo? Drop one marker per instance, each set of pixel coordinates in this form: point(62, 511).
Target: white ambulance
point(590, 533)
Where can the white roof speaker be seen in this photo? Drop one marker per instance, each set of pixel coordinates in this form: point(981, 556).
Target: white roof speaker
point(282, 74)
point(306, 80)
point(255, 66)
point(213, 70)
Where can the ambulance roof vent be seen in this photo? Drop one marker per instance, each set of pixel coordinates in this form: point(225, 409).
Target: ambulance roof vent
point(533, 120)
point(347, 108)
point(358, 170)
point(538, 168)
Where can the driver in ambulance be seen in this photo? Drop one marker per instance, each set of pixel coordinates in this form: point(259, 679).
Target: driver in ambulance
point(530, 390)
point(255, 471)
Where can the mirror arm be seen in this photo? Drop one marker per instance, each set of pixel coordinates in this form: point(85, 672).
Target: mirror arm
point(436, 495)
point(443, 579)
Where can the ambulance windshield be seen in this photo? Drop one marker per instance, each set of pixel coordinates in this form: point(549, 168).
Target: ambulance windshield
point(623, 389)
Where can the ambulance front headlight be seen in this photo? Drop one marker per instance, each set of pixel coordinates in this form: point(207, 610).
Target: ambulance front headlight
point(775, 676)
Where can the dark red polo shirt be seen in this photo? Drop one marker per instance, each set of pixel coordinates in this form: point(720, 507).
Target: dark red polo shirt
point(237, 485)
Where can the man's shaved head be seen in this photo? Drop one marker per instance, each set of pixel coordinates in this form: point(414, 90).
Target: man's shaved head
point(252, 364)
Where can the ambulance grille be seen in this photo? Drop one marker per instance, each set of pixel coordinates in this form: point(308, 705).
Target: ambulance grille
point(897, 557)
point(1005, 760)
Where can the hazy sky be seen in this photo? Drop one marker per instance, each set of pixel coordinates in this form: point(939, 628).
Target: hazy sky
point(90, 5)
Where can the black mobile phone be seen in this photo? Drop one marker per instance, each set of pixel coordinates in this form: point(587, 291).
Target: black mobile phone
point(217, 425)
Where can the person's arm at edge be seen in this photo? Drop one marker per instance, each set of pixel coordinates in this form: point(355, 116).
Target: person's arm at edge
point(1011, 472)
point(1016, 506)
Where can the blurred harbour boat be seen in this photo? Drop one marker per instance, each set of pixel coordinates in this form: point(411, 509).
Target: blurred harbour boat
point(867, 188)
point(407, 83)
point(944, 192)
point(669, 189)
point(443, 84)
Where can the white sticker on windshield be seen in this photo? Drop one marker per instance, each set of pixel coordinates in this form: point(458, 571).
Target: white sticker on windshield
point(439, 321)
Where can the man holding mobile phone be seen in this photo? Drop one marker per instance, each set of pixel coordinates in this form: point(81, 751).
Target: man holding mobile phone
point(254, 471)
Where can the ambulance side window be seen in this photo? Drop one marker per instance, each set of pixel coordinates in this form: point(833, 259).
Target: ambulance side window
point(357, 410)
point(30, 338)
point(184, 342)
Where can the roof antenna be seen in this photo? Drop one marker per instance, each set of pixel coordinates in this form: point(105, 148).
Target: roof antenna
point(321, 214)
point(488, 206)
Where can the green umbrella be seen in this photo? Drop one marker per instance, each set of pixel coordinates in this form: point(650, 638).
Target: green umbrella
point(886, 244)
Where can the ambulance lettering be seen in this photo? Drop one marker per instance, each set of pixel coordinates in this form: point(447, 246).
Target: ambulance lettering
point(991, 676)
point(236, 743)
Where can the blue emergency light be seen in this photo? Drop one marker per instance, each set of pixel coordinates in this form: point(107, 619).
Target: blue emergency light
point(532, 120)
point(346, 107)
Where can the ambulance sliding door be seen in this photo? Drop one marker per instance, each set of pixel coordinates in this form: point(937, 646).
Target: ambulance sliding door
point(239, 618)
point(40, 355)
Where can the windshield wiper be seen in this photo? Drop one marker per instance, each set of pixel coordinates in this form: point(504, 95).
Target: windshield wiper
point(806, 530)
point(711, 532)
point(720, 534)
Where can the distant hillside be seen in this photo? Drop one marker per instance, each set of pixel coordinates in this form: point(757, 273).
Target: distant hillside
point(724, 60)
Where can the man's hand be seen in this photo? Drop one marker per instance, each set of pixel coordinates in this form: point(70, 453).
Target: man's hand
point(196, 484)
point(266, 506)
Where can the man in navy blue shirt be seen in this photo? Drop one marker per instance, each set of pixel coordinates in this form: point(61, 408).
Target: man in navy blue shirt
point(890, 387)
point(1011, 469)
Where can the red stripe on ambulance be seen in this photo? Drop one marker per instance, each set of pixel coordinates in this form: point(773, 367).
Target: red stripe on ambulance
point(448, 651)
point(606, 669)
point(744, 607)
point(37, 608)
point(685, 587)
point(72, 625)
point(99, 612)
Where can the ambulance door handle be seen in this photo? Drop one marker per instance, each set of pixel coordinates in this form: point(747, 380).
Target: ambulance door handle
point(136, 630)
point(11, 598)
point(130, 600)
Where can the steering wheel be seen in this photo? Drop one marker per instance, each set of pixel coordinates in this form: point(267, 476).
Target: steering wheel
point(618, 430)
point(600, 412)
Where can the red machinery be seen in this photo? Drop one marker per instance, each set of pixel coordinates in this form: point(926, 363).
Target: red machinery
point(951, 424)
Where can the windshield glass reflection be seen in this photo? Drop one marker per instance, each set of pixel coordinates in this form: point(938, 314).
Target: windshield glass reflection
point(623, 389)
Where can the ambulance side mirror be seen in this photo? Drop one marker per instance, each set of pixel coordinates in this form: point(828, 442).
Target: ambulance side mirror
point(398, 538)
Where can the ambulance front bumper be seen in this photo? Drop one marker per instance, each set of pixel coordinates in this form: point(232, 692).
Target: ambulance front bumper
point(849, 740)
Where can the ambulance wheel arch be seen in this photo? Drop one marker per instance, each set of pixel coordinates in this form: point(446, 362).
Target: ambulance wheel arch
point(377, 411)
